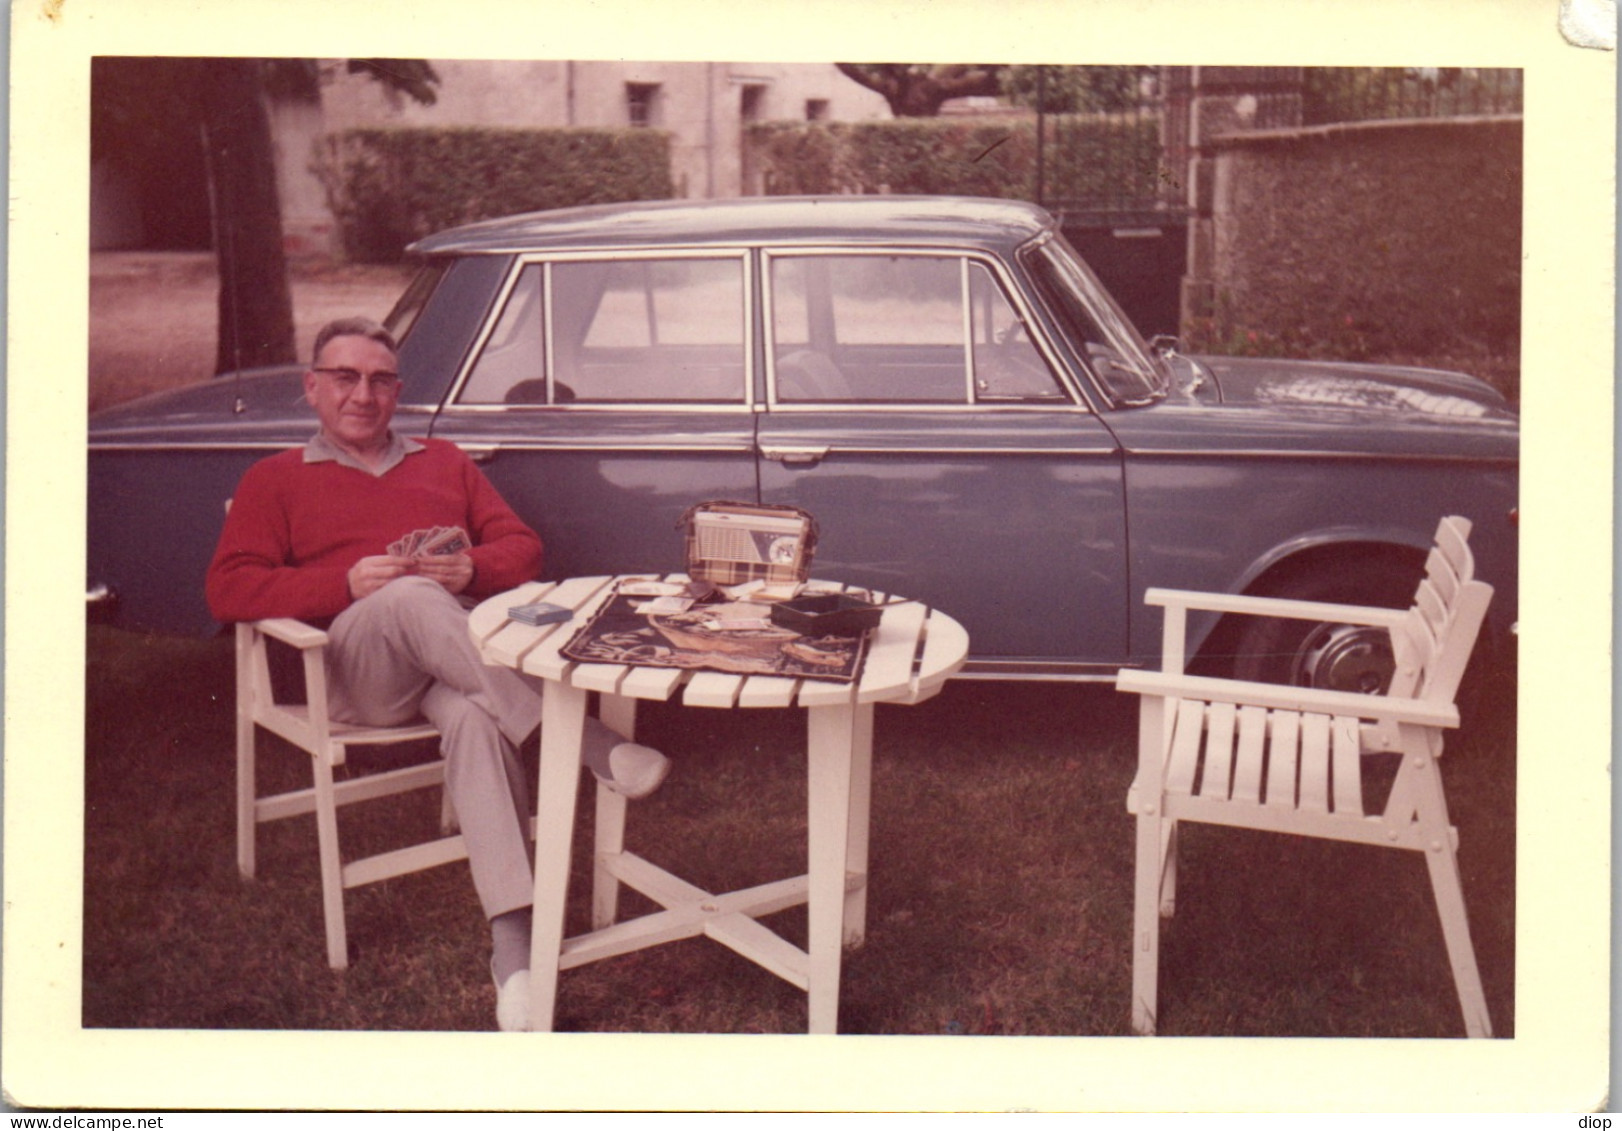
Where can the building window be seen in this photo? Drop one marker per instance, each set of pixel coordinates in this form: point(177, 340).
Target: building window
point(752, 102)
point(816, 109)
point(642, 103)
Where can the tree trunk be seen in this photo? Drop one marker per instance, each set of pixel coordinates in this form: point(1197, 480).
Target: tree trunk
point(256, 307)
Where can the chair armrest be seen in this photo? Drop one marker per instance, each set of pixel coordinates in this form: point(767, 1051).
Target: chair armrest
point(290, 631)
point(1287, 698)
point(1182, 599)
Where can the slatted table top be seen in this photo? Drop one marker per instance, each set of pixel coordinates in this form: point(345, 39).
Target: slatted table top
point(911, 654)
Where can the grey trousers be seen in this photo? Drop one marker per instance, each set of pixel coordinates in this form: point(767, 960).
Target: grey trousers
point(404, 653)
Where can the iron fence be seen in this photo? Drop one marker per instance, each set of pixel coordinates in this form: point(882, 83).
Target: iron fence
point(1113, 149)
point(1356, 94)
point(1113, 142)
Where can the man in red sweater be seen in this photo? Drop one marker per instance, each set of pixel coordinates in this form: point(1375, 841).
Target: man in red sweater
point(307, 537)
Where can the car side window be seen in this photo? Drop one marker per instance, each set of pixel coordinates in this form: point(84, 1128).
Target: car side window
point(619, 331)
point(511, 368)
point(898, 329)
point(650, 330)
point(1007, 364)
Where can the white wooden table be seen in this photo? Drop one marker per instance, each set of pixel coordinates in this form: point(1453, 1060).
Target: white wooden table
point(911, 654)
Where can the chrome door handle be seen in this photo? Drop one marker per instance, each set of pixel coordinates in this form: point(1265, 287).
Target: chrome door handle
point(795, 457)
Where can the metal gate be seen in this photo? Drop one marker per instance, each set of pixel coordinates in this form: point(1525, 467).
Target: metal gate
point(1111, 162)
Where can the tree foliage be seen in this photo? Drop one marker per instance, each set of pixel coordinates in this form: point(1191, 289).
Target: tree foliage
point(918, 90)
point(1073, 90)
point(145, 110)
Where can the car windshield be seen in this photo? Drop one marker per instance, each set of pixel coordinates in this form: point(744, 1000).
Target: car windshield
point(1117, 354)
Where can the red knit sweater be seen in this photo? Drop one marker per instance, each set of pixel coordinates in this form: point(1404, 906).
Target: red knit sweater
point(295, 528)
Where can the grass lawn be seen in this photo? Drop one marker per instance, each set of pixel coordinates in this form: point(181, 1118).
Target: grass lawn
point(1000, 892)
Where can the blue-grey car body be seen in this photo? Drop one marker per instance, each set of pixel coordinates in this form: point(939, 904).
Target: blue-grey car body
point(1037, 514)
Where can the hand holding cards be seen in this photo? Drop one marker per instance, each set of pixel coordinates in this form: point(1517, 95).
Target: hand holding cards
point(432, 543)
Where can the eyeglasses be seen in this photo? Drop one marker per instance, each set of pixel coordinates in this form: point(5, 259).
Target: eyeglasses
point(381, 383)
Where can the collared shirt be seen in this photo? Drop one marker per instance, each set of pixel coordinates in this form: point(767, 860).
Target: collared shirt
point(320, 447)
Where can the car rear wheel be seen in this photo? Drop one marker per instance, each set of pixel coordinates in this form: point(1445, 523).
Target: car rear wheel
point(1339, 657)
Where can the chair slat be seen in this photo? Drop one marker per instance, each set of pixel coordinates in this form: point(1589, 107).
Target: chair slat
point(1452, 536)
point(1282, 757)
point(1446, 670)
point(1440, 573)
point(1219, 728)
point(1432, 607)
point(1414, 646)
point(1348, 768)
point(1247, 770)
point(1315, 763)
point(1185, 747)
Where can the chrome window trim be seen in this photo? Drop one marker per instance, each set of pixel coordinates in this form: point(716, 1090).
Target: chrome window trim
point(530, 444)
point(603, 406)
point(935, 407)
point(966, 306)
point(521, 259)
point(1408, 459)
point(1064, 380)
point(549, 334)
point(942, 450)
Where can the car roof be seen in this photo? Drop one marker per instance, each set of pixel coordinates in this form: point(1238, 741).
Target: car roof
point(974, 221)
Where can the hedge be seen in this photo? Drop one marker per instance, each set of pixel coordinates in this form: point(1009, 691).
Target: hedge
point(388, 187)
point(1089, 157)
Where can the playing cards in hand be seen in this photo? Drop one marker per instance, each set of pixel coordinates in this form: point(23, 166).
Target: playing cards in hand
point(431, 543)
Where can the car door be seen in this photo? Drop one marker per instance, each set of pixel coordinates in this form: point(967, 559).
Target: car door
point(913, 412)
point(606, 394)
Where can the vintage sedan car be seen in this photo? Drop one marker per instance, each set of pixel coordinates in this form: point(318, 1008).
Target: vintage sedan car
point(942, 382)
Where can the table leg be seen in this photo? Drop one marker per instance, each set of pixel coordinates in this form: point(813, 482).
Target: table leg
point(619, 715)
point(833, 733)
point(563, 716)
point(861, 799)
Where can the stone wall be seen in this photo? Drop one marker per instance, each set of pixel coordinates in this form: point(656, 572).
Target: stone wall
point(1365, 239)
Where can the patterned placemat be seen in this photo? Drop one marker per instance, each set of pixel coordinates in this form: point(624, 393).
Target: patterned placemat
point(731, 636)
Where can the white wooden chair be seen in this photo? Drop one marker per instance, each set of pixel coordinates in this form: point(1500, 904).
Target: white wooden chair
point(307, 726)
point(1287, 759)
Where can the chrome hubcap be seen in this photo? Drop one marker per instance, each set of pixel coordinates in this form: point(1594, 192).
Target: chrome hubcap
point(1344, 657)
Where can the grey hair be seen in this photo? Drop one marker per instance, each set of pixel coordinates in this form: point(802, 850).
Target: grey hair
point(356, 328)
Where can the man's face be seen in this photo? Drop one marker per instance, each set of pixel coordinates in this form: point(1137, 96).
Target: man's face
point(353, 387)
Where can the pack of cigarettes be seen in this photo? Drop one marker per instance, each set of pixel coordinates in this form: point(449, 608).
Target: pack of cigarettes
point(539, 612)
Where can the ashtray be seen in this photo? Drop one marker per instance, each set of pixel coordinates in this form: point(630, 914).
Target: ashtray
point(826, 614)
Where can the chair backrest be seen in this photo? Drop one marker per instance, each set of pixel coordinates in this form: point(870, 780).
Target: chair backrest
point(1434, 642)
